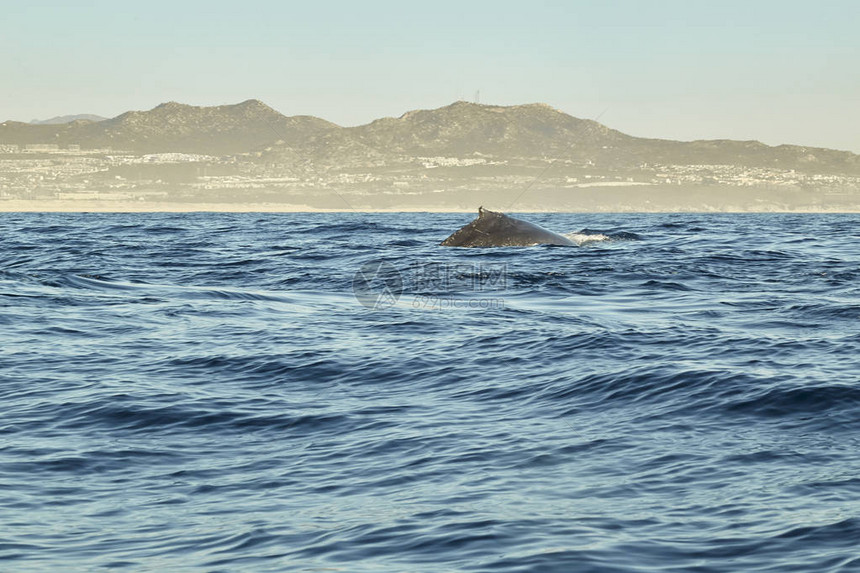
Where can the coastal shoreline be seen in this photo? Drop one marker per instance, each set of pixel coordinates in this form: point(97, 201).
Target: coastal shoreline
point(54, 206)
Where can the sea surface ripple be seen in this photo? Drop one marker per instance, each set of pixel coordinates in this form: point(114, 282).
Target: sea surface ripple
point(336, 392)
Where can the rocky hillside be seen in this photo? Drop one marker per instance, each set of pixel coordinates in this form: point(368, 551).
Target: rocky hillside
point(226, 129)
point(169, 127)
point(459, 130)
point(538, 131)
point(462, 129)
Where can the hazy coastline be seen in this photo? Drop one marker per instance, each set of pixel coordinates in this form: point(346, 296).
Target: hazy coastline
point(532, 157)
point(23, 206)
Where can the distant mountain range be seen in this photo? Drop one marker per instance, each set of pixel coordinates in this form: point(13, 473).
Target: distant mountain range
point(68, 119)
point(534, 131)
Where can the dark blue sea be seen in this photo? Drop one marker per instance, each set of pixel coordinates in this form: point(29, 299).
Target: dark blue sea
point(336, 392)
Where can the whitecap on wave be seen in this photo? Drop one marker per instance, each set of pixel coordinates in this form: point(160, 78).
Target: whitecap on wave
point(583, 239)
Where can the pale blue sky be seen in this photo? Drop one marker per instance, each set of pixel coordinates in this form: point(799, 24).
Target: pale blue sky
point(777, 71)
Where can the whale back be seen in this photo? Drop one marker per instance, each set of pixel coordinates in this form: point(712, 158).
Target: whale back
point(492, 229)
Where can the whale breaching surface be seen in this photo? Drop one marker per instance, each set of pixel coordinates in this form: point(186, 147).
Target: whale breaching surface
point(493, 229)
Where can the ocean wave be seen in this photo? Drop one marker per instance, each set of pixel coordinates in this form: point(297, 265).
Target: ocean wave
point(207, 391)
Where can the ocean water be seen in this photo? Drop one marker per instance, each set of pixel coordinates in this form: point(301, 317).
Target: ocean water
point(336, 392)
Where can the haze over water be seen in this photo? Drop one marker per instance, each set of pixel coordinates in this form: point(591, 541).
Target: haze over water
point(206, 392)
